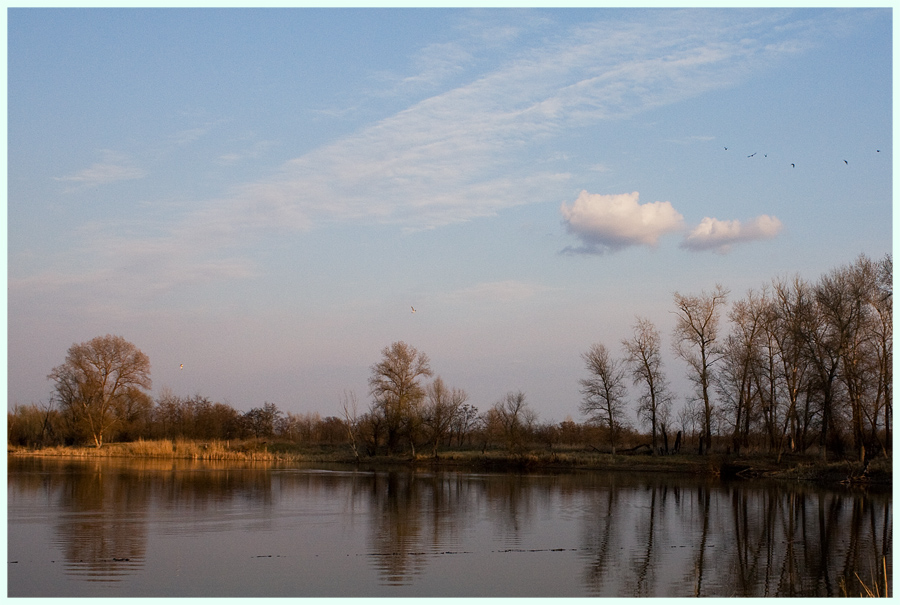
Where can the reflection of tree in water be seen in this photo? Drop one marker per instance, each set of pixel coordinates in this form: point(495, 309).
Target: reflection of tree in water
point(746, 540)
point(420, 516)
point(395, 540)
point(103, 535)
point(103, 532)
point(512, 502)
point(645, 534)
point(599, 539)
point(414, 518)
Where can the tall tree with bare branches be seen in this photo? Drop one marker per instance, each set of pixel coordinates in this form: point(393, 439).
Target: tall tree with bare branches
point(604, 391)
point(642, 355)
point(695, 341)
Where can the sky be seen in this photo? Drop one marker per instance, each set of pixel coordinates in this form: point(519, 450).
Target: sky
point(264, 195)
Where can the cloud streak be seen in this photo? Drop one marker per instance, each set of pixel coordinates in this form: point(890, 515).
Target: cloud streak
point(463, 153)
point(720, 236)
point(467, 152)
point(113, 168)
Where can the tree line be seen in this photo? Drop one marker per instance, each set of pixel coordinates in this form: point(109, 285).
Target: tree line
point(800, 365)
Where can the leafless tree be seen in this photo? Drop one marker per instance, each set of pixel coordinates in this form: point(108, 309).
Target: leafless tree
point(642, 354)
point(604, 391)
point(261, 421)
point(98, 380)
point(442, 407)
point(464, 422)
point(738, 378)
point(394, 386)
point(349, 409)
point(787, 325)
point(695, 341)
point(515, 419)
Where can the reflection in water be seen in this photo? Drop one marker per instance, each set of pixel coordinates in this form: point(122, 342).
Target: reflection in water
point(432, 533)
point(101, 535)
point(735, 540)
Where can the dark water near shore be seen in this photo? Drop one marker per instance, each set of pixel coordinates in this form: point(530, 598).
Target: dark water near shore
point(160, 528)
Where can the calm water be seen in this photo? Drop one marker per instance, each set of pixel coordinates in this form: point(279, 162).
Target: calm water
point(150, 528)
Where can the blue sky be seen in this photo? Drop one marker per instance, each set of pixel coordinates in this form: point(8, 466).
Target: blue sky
point(262, 195)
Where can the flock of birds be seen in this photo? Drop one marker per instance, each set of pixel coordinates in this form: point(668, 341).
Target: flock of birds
point(793, 165)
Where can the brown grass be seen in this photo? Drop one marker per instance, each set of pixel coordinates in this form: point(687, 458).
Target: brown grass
point(167, 448)
point(873, 589)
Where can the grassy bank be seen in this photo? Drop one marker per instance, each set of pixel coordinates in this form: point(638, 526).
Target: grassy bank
point(789, 467)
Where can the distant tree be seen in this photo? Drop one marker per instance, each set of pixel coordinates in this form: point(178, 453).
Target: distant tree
point(351, 420)
point(442, 408)
point(464, 422)
point(397, 394)
point(604, 391)
point(261, 421)
point(695, 341)
point(515, 419)
point(97, 382)
point(33, 425)
point(642, 354)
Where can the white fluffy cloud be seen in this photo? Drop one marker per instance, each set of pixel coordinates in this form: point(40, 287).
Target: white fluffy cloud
point(713, 234)
point(611, 222)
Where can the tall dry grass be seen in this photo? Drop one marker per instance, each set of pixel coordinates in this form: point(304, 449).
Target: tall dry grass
point(874, 588)
point(181, 449)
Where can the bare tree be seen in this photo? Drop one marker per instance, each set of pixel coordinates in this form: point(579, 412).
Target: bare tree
point(98, 380)
point(741, 365)
point(464, 422)
point(642, 354)
point(515, 420)
point(695, 341)
point(789, 339)
point(604, 391)
point(349, 408)
point(442, 408)
point(261, 421)
point(883, 334)
point(396, 391)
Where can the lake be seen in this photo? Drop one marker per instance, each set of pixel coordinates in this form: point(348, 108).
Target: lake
point(152, 528)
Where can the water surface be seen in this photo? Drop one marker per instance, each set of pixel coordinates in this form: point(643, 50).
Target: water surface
point(144, 528)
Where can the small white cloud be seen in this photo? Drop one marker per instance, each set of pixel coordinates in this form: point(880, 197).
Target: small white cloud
point(611, 222)
point(713, 234)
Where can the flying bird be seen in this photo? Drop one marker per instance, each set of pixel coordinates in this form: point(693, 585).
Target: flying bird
point(792, 165)
point(846, 162)
point(182, 367)
point(413, 309)
point(752, 154)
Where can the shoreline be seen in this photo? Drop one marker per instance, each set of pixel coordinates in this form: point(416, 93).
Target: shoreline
point(790, 467)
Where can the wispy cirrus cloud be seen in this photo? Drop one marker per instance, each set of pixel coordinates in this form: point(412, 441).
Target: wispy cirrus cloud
point(467, 151)
point(720, 236)
point(113, 168)
point(464, 153)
